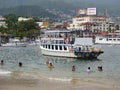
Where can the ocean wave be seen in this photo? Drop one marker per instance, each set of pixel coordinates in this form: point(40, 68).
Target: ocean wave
point(61, 79)
point(4, 72)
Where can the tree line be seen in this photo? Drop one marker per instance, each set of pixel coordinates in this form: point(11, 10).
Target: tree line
point(14, 28)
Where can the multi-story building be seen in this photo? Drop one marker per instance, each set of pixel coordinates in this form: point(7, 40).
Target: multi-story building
point(87, 19)
point(92, 22)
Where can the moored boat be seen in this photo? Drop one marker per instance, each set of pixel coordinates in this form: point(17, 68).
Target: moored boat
point(65, 43)
point(108, 40)
point(14, 43)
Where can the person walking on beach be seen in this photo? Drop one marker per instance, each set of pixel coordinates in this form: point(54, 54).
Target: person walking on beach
point(73, 68)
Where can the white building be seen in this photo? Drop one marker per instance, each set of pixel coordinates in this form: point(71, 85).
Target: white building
point(23, 19)
point(92, 22)
point(87, 19)
point(2, 18)
point(2, 24)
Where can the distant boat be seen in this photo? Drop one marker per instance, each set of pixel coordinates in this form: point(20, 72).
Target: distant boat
point(14, 43)
point(65, 43)
point(34, 43)
point(107, 40)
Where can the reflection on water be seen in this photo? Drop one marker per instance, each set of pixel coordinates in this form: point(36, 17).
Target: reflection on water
point(34, 64)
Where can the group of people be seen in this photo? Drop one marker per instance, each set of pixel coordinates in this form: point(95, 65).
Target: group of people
point(2, 63)
point(88, 69)
point(51, 66)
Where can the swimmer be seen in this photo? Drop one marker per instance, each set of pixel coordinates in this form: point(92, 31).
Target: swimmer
point(50, 66)
point(73, 68)
point(88, 70)
point(100, 68)
point(2, 62)
point(20, 64)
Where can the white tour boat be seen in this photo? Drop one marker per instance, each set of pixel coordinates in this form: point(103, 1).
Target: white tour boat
point(65, 43)
point(14, 43)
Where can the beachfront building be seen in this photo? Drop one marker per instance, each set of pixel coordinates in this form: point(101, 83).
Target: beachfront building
point(88, 20)
point(24, 19)
point(2, 22)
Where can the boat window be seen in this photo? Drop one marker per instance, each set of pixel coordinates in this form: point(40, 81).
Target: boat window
point(52, 46)
point(110, 39)
point(56, 47)
point(60, 47)
point(114, 39)
point(65, 48)
point(100, 38)
point(118, 39)
point(44, 46)
point(48, 46)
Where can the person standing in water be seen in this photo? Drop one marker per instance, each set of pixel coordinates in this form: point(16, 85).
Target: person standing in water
point(2, 62)
point(20, 64)
point(88, 70)
point(73, 68)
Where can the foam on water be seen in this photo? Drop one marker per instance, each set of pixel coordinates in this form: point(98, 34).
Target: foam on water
point(4, 72)
point(61, 79)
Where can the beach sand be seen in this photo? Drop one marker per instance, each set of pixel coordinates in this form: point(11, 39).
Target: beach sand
point(45, 84)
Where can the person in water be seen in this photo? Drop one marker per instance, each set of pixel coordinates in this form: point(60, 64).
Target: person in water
point(20, 64)
point(2, 62)
point(51, 66)
point(100, 68)
point(47, 62)
point(88, 70)
point(73, 68)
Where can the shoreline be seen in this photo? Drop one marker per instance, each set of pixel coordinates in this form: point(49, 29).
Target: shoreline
point(46, 84)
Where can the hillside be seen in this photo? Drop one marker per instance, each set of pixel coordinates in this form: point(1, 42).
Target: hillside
point(66, 6)
point(27, 11)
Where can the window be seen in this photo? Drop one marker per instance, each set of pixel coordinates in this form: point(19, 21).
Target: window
point(60, 47)
point(53, 47)
point(44, 46)
point(48, 46)
point(56, 47)
point(65, 48)
point(100, 38)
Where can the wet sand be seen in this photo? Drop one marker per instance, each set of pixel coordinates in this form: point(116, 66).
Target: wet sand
point(45, 84)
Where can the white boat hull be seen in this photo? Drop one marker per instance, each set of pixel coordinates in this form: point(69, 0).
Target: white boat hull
point(58, 53)
point(105, 40)
point(14, 45)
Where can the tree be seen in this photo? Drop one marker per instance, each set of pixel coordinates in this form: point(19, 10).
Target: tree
point(11, 21)
point(117, 27)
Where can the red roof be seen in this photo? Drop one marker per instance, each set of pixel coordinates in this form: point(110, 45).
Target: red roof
point(87, 23)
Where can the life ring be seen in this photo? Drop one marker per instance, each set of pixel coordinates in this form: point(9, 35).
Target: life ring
point(50, 67)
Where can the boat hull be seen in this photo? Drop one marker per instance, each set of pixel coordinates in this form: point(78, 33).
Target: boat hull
point(83, 55)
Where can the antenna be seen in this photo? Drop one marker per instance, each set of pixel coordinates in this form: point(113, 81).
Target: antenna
point(106, 14)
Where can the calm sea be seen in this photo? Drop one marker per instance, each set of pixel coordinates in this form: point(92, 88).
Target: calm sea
point(34, 65)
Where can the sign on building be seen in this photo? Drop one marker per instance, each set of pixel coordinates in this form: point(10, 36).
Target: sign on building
point(91, 11)
point(81, 11)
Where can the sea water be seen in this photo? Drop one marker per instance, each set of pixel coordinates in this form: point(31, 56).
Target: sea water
point(34, 65)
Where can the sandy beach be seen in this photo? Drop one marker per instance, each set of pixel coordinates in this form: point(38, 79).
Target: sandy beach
point(44, 84)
